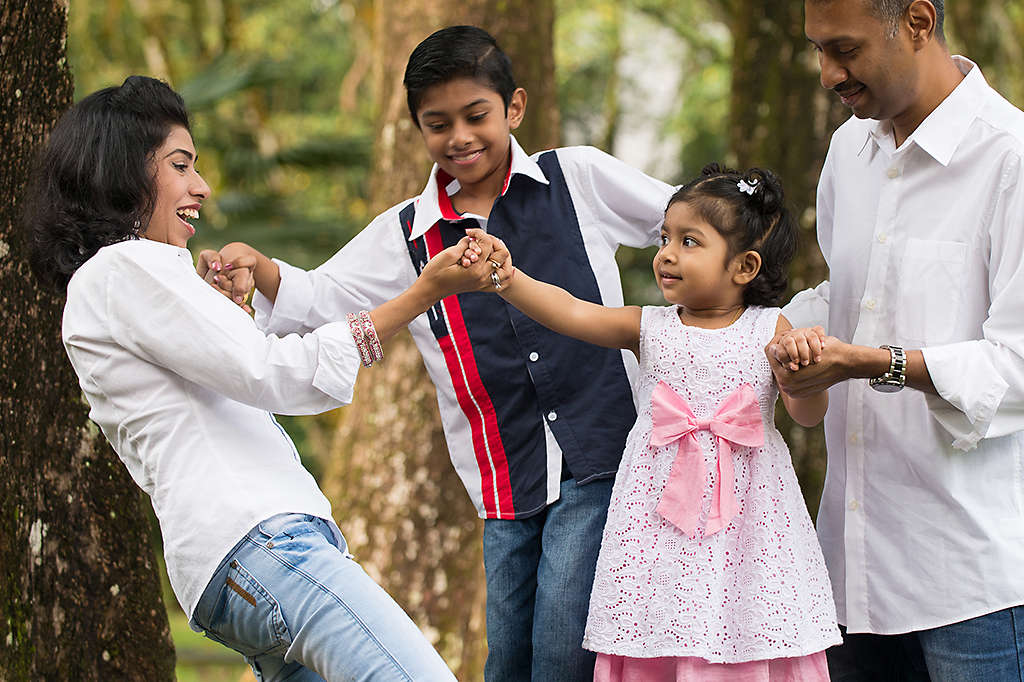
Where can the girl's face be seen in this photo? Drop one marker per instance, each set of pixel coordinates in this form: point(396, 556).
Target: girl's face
point(180, 190)
point(693, 268)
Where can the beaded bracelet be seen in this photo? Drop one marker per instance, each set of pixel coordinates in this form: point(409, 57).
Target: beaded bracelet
point(371, 336)
point(355, 325)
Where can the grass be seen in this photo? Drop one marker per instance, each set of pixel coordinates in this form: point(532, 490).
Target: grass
point(201, 659)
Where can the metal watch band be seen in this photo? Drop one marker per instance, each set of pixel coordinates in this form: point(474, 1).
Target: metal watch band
point(896, 377)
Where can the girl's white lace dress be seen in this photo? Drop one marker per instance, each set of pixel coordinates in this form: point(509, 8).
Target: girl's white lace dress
point(756, 589)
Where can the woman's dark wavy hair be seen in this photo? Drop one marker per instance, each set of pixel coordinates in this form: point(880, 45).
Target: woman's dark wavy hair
point(752, 220)
point(92, 183)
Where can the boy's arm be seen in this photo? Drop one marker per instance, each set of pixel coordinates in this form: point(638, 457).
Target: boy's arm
point(627, 205)
point(372, 268)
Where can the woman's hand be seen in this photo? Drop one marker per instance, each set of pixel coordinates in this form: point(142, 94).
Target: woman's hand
point(466, 266)
point(231, 271)
point(499, 259)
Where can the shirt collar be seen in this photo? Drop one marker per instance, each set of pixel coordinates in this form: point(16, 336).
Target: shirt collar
point(942, 131)
point(434, 202)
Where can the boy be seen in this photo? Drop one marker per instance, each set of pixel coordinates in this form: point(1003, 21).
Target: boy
point(535, 422)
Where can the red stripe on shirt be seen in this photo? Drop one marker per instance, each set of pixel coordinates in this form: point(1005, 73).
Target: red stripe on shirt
point(495, 483)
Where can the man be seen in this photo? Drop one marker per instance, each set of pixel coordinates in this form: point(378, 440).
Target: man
point(920, 215)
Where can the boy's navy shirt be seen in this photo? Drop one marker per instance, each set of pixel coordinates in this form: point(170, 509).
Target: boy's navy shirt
point(515, 397)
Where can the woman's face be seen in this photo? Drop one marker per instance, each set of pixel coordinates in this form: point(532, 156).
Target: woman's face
point(180, 190)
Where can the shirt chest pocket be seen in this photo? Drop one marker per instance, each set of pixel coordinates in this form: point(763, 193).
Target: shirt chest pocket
point(930, 291)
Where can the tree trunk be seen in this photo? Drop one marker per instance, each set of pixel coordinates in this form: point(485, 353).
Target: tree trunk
point(781, 118)
point(397, 497)
point(80, 595)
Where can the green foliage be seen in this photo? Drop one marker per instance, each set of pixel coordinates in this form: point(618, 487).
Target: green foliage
point(288, 172)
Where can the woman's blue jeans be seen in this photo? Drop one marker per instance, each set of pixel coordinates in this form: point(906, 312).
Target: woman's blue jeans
point(988, 648)
point(298, 607)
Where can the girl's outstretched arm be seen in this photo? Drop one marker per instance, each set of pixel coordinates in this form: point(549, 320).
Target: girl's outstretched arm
point(562, 312)
point(807, 410)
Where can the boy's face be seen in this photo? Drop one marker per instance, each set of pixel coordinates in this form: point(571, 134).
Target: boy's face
point(466, 129)
point(875, 75)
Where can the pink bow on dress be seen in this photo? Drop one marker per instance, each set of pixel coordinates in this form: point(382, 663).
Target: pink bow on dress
point(737, 422)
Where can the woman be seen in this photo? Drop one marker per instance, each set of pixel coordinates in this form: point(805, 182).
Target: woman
point(183, 385)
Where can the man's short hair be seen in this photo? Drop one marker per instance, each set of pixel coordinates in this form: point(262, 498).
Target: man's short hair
point(457, 52)
point(890, 12)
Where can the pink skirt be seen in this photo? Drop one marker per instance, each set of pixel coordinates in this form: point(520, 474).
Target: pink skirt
point(810, 668)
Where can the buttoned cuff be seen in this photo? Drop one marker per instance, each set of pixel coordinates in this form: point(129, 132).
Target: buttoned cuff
point(970, 391)
point(337, 361)
point(289, 312)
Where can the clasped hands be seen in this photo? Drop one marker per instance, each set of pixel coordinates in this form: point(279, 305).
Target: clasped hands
point(805, 361)
point(478, 262)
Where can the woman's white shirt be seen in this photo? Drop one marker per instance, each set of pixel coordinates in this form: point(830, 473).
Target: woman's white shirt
point(183, 384)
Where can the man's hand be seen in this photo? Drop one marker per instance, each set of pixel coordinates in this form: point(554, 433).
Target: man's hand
point(830, 367)
point(798, 348)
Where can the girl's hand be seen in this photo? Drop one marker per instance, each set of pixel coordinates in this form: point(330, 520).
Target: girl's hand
point(499, 259)
point(798, 348)
point(446, 273)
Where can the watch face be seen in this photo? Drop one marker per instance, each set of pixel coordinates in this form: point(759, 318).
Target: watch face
point(887, 388)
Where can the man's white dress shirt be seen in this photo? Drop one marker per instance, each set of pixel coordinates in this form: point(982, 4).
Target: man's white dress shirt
point(183, 384)
point(922, 516)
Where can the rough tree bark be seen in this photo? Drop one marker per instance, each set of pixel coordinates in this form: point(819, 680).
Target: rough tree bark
point(396, 495)
point(781, 118)
point(79, 592)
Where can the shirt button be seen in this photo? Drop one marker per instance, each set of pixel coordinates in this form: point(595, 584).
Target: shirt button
point(534, 357)
point(854, 505)
point(883, 237)
point(552, 416)
point(870, 304)
point(854, 439)
point(893, 172)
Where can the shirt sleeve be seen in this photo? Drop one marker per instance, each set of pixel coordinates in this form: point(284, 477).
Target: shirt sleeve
point(371, 269)
point(627, 205)
point(809, 307)
point(161, 311)
point(980, 382)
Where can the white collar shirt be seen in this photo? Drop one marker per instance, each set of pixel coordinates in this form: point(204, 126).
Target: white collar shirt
point(922, 515)
point(182, 384)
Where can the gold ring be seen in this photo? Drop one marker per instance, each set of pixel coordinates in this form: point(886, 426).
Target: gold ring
point(495, 280)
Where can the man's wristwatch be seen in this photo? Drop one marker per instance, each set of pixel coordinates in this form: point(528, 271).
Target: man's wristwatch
point(896, 377)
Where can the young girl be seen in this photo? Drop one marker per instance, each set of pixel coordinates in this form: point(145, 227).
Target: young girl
point(709, 566)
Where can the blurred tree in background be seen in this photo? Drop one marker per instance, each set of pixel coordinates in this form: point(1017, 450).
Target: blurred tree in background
point(301, 128)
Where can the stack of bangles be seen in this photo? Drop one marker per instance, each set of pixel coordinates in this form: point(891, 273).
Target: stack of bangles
point(365, 337)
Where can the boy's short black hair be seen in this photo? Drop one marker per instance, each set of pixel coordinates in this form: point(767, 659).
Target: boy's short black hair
point(457, 52)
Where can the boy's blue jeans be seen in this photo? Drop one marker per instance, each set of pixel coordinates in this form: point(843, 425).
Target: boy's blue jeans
point(298, 607)
point(539, 574)
point(988, 648)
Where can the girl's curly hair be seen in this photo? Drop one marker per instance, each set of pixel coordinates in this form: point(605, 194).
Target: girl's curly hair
point(749, 211)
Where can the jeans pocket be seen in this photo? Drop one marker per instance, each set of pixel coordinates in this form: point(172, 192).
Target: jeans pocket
point(247, 618)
